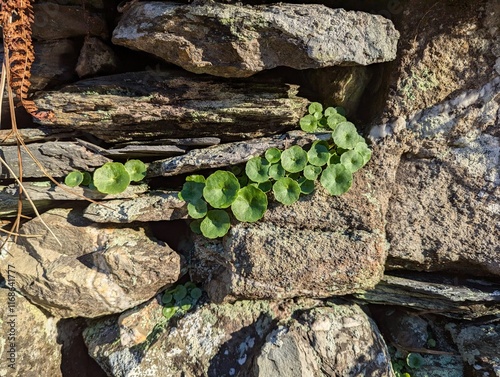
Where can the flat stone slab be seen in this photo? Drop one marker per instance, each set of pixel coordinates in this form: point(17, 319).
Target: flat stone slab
point(238, 41)
point(173, 104)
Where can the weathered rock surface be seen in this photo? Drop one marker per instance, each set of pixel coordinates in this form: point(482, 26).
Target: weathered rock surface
point(153, 105)
point(446, 295)
point(97, 271)
point(28, 340)
point(47, 195)
point(479, 346)
point(320, 246)
point(241, 339)
point(237, 41)
point(153, 206)
point(57, 157)
point(229, 154)
point(58, 21)
point(96, 57)
point(325, 341)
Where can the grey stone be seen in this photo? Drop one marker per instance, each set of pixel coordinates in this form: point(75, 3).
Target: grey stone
point(96, 57)
point(173, 104)
point(97, 270)
point(228, 154)
point(152, 206)
point(239, 41)
point(28, 340)
point(327, 341)
point(320, 246)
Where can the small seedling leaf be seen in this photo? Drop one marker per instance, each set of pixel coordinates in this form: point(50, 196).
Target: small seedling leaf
point(195, 293)
point(308, 123)
point(111, 178)
point(334, 120)
point(276, 171)
point(192, 191)
point(250, 204)
point(315, 107)
point(294, 159)
point(318, 154)
point(330, 111)
point(273, 155)
point(257, 169)
point(179, 293)
point(221, 189)
point(306, 186)
point(336, 179)
point(345, 135)
point(352, 160)
point(169, 312)
point(136, 169)
point(74, 179)
point(166, 298)
point(312, 172)
point(286, 190)
point(197, 209)
point(215, 224)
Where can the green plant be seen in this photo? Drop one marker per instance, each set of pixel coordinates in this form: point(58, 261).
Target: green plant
point(110, 178)
point(179, 300)
point(284, 174)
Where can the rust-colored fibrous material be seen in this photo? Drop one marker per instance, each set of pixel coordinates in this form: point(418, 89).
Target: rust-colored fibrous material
point(16, 17)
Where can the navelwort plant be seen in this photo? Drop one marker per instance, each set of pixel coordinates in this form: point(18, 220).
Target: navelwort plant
point(286, 175)
point(111, 178)
point(179, 300)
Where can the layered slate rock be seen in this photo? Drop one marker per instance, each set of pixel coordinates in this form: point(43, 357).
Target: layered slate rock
point(28, 337)
point(96, 271)
point(326, 341)
point(320, 246)
point(153, 105)
point(237, 41)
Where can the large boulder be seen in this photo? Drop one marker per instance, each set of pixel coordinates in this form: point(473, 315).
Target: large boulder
point(96, 270)
point(237, 41)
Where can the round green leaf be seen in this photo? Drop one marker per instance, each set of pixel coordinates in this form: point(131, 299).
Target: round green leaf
point(195, 178)
point(276, 171)
point(111, 178)
point(286, 191)
point(179, 293)
point(273, 155)
point(312, 172)
point(334, 159)
point(352, 160)
point(318, 115)
point(306, 186)
point(345, 135)
point(192, 191)
point(334, 120)
point(215, 224)
point(186, 304)
point(315, 107)
point(136, 169)
point(257, 169)
point(414, 360)
point(336, 179)
point(318, 154)
point(190, 285)
point(341, 110)
point(265, 186)
point(195, 226)
point(169, 312)
point(197, 209)
point(221, 189)
point(364, 151)
point(308, 123)
point(166, 298)
point(294, 159)
point(87, 178)
point(73, 179)
point(195, 293)
point(330, 111)
point(250, 204)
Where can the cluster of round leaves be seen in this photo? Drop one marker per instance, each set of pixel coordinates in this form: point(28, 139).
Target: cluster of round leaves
point(111, 178)
point(319, 120)
point(179, 300)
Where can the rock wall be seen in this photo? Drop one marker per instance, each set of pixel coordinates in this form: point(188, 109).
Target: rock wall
point(399, 275)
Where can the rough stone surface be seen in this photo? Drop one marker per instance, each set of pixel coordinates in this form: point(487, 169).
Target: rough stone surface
point(239, 41)
point(326, 341)
point(480, 348)
point(97, 271)
point(28, 337)
point(96, 57)
point(229, 154)
point(174, 104)
point(153, 206)
point(214, 340)
point(57, 157)
point(320, 246)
